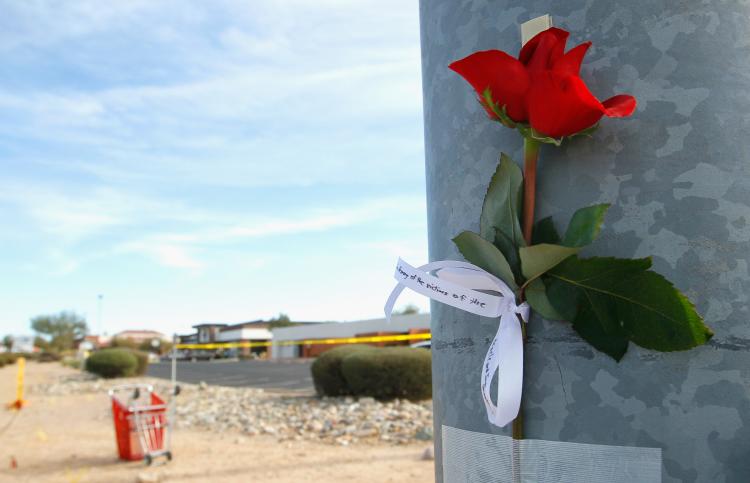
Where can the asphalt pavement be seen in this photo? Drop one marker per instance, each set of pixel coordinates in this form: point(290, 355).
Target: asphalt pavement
point(282, 375)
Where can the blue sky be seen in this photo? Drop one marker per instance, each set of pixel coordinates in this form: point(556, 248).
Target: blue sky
point(208, 161)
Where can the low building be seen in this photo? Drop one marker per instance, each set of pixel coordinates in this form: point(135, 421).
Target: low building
point(399, 324)
point(255, 331)
point(187, 338)
point(140, 336)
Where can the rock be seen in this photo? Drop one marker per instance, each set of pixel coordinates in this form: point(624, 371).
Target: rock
point(364, 433)
point(428, 454)
point(423, 434)
point(249, 412)
point(208, 420)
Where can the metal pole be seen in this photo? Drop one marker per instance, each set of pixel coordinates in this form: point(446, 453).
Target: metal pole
point(173, 395)
point(677, 176)
point(100, 321)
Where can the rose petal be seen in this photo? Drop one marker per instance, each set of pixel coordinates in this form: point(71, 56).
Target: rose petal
point(621, 105)
point(570, 63)
point(544, 49)
point(561, 105)
point(504, 75)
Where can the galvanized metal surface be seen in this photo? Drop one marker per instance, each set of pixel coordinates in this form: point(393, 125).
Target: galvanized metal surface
point(678, 176)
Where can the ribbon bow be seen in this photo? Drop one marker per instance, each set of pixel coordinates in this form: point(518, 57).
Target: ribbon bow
point(457, 284)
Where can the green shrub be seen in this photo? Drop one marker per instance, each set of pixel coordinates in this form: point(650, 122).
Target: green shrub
point(142, 358)
point(326, 370)
point(49, 357)
point(112, 363)
point(123, 343)
point(8, 358)
point(389, 372)
point(71, 362)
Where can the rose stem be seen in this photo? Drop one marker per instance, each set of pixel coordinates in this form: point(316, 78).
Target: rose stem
point(530, 156)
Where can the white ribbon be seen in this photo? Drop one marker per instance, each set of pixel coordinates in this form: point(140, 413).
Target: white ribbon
point(457, 284)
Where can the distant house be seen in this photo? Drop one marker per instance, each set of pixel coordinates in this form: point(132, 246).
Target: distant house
point(139, 336)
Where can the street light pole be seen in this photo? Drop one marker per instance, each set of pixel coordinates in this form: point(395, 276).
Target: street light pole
point(100, 322)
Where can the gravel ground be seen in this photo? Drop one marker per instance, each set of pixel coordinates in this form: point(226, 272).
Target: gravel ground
point(286, 417)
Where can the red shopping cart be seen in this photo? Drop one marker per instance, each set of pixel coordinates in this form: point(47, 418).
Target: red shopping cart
point(142, 428)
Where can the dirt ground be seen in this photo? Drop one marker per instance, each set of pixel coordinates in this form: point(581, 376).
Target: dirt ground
point(71, 439)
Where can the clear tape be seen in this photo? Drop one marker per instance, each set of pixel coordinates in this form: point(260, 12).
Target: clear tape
point(473, 457)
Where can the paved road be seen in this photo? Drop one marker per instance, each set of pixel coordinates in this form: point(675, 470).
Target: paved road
point(288, 375)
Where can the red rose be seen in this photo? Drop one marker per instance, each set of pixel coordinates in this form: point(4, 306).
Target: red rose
point(542, 87)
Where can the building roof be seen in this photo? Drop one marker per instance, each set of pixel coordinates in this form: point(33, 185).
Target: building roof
point(242, 325)
point(208, 324)
point(139, 332)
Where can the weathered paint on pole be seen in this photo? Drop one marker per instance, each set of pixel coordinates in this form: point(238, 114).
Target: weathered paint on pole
point(678, 175)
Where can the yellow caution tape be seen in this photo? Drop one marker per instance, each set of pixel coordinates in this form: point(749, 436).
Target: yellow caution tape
point(342, 340)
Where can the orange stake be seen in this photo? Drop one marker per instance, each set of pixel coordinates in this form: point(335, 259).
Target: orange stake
point(19, 402)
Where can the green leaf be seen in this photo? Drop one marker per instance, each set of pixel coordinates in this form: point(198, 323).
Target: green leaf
point(612, 341)
point(584, 226)
point(510, 252)
point(536, 296)
point(545, 232)
point(611, 301)
point(681, 331)
point(537, 259)
point(485, 255)
point(501, 203)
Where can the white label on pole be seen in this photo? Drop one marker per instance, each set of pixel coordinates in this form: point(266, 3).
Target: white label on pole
point(534, 26)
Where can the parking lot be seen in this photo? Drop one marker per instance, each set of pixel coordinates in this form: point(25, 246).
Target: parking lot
point(282, 375)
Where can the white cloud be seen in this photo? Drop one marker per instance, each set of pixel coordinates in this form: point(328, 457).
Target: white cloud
point(173, 248)
point(168, 255)
point(73, 213)
point(271, 85)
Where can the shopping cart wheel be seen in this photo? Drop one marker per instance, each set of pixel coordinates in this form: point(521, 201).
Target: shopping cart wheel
point(169, 456)
point(148, 459)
